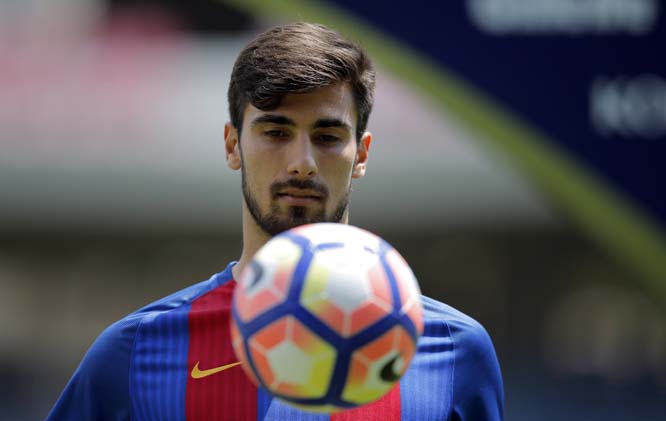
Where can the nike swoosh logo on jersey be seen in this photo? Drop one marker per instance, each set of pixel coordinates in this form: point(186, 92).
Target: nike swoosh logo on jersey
point(200, 374)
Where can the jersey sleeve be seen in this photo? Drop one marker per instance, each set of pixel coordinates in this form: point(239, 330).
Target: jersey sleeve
point(478, 392)
point(99, 388)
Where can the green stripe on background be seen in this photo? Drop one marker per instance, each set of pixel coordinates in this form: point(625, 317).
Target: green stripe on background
point(621, 228)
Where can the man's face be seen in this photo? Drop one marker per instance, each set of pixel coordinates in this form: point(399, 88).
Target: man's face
point(297, 161)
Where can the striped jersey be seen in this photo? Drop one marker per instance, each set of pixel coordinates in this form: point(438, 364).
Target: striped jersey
point(173, 360)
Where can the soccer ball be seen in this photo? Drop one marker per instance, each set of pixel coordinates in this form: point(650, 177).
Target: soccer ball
point(326, 317)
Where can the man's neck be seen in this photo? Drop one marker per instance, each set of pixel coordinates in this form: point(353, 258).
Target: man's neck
point(253, 239)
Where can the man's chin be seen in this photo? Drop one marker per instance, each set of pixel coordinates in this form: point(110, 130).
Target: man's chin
point(277, 224)
point(290, 223)
point(284, 218)
point(274, 229)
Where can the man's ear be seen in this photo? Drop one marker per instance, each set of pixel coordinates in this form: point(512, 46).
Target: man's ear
point(232, 147)
point(362, 155)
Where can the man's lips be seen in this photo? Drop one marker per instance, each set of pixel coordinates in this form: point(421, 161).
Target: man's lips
point(300, 193)
point(299, 197)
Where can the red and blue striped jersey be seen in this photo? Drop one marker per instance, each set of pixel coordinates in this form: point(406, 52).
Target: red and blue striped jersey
point(171, 360)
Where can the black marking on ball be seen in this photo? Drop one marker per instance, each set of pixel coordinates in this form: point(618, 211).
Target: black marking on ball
point(388, 371)
point(257, 273)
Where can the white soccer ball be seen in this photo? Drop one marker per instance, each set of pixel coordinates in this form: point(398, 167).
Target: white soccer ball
point(326, 317)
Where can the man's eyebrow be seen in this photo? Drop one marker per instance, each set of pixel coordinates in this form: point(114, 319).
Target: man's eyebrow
point(274, 119)
point(331, 122)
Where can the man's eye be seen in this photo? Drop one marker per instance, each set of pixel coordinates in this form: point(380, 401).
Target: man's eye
point(328, 138)
point(275, 133)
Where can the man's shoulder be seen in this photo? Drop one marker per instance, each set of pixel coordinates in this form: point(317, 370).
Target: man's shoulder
point(457, 323)
point(122, 331)
point(120, 335)
point(468, 339)
point(100, 383)
point(478, 391)
point(186, 295)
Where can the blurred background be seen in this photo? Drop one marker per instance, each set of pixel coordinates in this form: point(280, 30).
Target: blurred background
point(517, 164)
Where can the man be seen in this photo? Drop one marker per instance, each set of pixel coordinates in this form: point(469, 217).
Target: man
point(299, 98)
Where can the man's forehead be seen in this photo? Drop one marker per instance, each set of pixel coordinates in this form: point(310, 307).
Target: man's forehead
point(333, 102)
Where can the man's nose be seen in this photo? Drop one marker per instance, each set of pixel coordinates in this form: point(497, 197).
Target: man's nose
point(302, 162)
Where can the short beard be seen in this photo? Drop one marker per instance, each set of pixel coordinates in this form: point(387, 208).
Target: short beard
point(272, 224)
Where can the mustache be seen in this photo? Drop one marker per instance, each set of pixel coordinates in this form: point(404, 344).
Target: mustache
point(298, 184)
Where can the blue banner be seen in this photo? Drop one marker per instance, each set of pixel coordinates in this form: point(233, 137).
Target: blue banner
point(589, 74)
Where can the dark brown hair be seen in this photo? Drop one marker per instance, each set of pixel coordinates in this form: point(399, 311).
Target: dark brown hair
point(299, 58)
